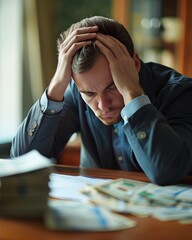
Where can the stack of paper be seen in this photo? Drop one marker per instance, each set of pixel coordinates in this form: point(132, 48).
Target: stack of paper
point(24, 185)
point(69, 187)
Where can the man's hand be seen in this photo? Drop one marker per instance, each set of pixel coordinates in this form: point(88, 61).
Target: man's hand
point(124, 68)
point(75, 40)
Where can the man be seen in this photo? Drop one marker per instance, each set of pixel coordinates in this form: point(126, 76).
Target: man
point(131, 115)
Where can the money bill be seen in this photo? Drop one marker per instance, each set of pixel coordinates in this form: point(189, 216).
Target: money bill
point(167, 195)
point(141, 208)
point(79, 216)
point(166, 203)
point(123, 189)
point(173, 213)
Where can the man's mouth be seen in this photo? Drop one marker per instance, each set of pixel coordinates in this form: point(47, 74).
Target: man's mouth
point(107, 115)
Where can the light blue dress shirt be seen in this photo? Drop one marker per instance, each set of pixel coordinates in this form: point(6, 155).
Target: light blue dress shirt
point(51, 107)
point(120, 149)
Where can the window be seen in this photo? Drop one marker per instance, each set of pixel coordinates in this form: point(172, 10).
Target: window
point(10, 68)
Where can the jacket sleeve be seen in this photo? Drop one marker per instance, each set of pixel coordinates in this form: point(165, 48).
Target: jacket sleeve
point(161, 142)
point(46, 133)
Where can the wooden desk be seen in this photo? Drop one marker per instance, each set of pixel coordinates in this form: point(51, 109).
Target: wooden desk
point(147, 228)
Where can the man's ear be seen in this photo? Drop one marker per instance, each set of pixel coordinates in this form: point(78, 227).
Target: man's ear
point(137, 61)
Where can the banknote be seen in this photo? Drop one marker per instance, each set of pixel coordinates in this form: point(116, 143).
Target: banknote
point(139, 206)
point(123, 189)
point(167, 195)
point(166, 203)
point(173, 213)
point(79, 216)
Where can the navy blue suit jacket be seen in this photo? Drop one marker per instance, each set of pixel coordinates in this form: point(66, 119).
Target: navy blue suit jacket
point(165, 155)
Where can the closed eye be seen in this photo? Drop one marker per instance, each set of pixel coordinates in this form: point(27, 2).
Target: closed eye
point(111, 87)
point(88, 94)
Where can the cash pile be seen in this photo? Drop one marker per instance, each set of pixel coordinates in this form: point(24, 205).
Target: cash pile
point(70, 210)
point(83, 216)
point(165, 203)
point(24, 185)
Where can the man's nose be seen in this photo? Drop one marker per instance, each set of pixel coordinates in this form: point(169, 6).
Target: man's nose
point(104, 102)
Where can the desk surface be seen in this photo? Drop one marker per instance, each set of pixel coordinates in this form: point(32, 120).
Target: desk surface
point(147, 228)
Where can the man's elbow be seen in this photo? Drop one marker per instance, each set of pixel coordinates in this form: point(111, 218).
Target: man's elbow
point(163, 178)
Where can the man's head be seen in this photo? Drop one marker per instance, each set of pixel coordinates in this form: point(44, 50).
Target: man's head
point(86, 56)
point(91, 71)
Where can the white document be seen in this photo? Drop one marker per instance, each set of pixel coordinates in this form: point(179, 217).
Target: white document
point(28, 162)
point(69, 187)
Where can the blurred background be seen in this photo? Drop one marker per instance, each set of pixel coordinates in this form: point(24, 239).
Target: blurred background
point(161, 30)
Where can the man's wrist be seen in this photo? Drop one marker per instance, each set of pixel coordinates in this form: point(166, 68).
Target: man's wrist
point(134, 106)
point(50, 107)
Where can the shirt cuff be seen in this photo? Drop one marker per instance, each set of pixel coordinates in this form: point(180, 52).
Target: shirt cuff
point(134, 106)
point(50, 107)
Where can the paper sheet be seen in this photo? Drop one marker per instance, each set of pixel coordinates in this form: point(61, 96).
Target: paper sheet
point(69, 187)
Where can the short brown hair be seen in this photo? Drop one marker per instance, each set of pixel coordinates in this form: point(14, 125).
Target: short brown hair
point(86, 56)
